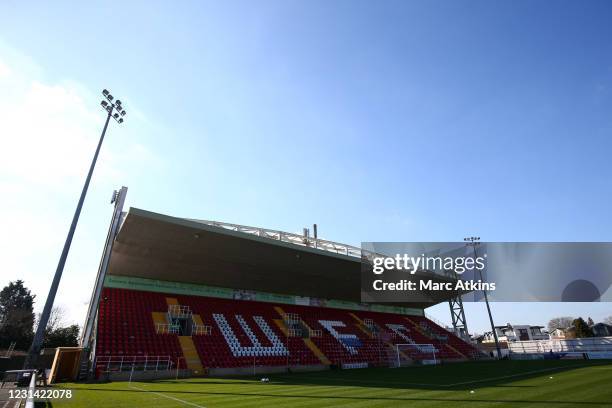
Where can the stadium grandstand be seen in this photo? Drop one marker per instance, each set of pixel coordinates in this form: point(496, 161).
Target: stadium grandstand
point(185, 297)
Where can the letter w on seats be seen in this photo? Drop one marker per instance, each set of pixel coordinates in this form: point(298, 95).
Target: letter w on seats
point(238, 350)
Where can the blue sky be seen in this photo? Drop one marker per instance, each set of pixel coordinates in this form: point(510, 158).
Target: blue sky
point(390, 121)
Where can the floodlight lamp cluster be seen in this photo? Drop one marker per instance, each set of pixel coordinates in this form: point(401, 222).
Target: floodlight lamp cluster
point(472, 241)
point(115, 109)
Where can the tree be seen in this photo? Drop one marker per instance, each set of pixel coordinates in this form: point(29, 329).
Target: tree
point(582, 328)
point(56, 318)
point(590, 322)
point(608, 320)
point(560, 323)
point(57, 334)
point(62, 337)
point(16, 315)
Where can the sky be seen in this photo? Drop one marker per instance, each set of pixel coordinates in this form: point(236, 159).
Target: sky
point(379, 121)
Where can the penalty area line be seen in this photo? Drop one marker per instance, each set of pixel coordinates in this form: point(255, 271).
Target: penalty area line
point(168, 397)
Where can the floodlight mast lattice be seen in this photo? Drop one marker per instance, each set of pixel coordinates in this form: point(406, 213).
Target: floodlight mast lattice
point(114, 109)
point(474, 242)
point(458, 316)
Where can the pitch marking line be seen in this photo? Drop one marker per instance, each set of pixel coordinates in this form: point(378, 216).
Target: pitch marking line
point(169, 397)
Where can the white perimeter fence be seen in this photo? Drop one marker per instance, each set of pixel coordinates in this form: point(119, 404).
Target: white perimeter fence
point(585, 345)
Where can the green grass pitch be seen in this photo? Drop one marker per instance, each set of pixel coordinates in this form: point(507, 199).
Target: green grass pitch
point(570, 384)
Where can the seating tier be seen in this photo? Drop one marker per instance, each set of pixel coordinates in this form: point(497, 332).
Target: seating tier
point(246, 333)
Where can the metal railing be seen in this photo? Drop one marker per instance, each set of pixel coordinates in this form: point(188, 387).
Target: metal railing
point(179, 311)
point(315, 333)
point(200, 330)
point(31, 391)
point(294, 332)
point(166, 328)
point(136, 363)
point(292, 318)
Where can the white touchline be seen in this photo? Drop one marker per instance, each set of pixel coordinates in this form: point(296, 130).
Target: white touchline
point(169, 397)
